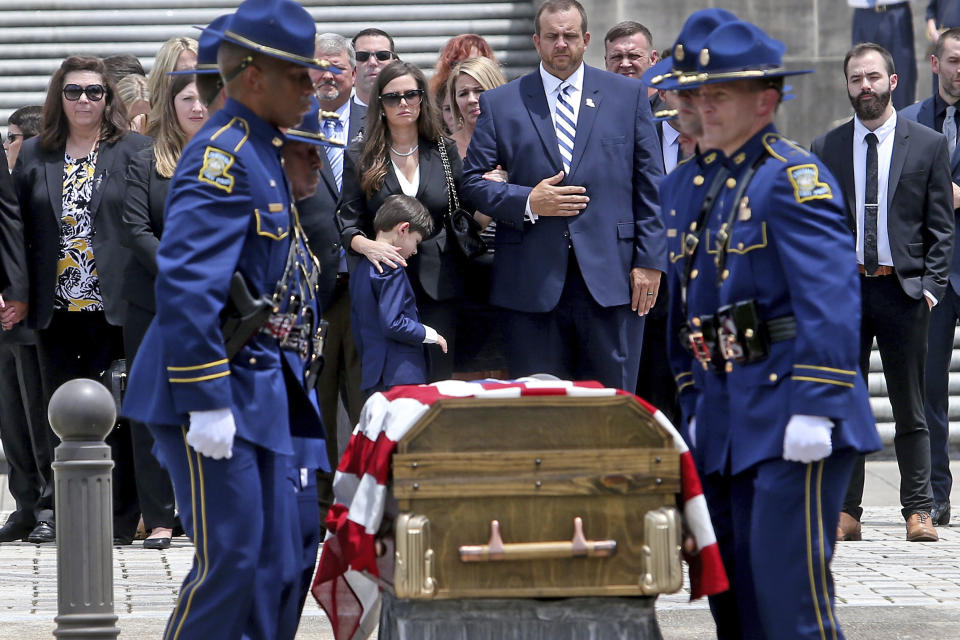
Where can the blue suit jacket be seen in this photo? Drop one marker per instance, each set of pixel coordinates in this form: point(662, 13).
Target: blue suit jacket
point(923, 112)
point(386, 327)
point(228, 209)
point(616, 156)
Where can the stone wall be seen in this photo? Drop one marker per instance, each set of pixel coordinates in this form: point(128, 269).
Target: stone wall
point(816, 32)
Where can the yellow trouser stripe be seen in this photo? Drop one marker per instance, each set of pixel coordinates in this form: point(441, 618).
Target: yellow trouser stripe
point(199, 502)
point(813, 582)
point(823, 554)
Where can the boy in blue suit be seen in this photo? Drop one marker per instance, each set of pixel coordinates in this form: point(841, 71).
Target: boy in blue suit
point(386, 323)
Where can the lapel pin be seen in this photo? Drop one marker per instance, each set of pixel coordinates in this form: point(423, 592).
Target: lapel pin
point(589, 102)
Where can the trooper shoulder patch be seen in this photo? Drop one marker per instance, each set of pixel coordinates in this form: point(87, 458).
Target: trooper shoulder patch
point(216, 164)
point(805, 179)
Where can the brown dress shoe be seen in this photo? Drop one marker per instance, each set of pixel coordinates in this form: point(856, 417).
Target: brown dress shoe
point(848, 529)
point(920, 528)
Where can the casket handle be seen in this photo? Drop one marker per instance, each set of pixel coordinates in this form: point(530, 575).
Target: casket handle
point(497, 551)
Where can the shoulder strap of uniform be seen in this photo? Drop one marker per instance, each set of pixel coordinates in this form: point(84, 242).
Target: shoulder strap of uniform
point(727, 229)
point(692, 240)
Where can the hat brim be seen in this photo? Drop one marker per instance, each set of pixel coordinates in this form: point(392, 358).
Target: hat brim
point(656, 76)
point(694, 80)
point(310, 63)
point(663, 115)
point(317, 139)
point(200, 70)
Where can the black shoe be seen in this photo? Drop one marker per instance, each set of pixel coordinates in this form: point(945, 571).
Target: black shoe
point(13, 532)
point(43, 532)
point(122, 541)
point(940, 514)
point(157, 543)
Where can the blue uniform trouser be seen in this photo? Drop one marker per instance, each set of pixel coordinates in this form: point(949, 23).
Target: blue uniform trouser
point(305, 543)
point(776, 527)
point(236, 511)
point(943, 324)
point(892, 29)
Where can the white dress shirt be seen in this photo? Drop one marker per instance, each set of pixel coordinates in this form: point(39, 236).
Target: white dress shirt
point(409, 187)
point(669, 143)
point(885, 137)
point(551, 88)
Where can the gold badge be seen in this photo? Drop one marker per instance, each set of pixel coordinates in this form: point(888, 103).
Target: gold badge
point(805, 179)
point(678, 52)
point(710, 157)
point(744, 213)
point(216, 164)
point(739, 158)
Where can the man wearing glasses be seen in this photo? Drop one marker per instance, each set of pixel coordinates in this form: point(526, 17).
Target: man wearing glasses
point(375, 50)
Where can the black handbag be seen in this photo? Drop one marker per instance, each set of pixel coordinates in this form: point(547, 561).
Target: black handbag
point(463, 231)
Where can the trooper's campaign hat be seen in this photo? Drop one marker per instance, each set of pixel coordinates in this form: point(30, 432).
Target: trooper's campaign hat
point(738, 51)
point(278, 28)
point(684, 53)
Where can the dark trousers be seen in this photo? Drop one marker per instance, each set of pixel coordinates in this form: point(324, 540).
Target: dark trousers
point(154, 491)
point(82, 344)
point(943, 322)
point(238, 513)
point(655, 382)
point(899, 324)
point(893, 30)
point(25, 434)
point(577, 340)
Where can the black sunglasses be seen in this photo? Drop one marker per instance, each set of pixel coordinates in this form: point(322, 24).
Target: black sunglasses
point(392, 99)
point(95, 92)
point(12, 137)
point(382, 56)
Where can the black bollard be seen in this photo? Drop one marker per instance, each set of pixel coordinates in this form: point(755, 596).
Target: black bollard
point(82, 412)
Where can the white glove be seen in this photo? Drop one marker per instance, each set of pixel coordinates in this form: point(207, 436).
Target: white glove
point(211, 433)
point(692, 430)
point(807, 439)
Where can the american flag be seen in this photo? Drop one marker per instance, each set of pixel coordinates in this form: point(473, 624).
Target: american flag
point(346, 582)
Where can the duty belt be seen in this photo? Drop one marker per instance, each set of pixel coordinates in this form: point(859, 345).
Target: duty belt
point(299, 338)
point(731, 336)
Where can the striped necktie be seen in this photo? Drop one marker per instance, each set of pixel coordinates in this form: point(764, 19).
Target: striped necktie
point(950, 127)
point(333, 130)
point(566, 126)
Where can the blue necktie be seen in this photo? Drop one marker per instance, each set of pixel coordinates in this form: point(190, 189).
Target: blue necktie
point(333, 130)
point(566, 126)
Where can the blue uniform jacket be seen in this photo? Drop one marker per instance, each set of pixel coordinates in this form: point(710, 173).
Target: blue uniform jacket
point(702, 392)
point(616, 157)
point(228, 209)
point(790, 250)
point(386, 327)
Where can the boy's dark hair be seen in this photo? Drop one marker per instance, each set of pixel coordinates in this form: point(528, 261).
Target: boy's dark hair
point(372, 31)
point(400, 208)
point(28, 119)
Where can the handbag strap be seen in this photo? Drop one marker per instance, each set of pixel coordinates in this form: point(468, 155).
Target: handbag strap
point(453, 202)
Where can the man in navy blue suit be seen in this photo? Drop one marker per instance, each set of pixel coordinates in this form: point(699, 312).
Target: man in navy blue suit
point(939, 112)
point(579, 245)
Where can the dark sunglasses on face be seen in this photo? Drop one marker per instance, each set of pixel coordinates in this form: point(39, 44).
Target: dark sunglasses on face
point(12, 137)
point(95, 92)
point(393, 98)
point(382, 56)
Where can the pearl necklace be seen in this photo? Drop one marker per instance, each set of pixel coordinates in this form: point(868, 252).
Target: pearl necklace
point(408, 153)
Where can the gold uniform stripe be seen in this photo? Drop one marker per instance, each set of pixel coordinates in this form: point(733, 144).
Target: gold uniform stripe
point(246, 129)
point(197, 367)
point(824, 380)
point(823, 556)
point(209, 377)
point(828, 369)
point(688, 383)
point(682, 375)
point(813, 582)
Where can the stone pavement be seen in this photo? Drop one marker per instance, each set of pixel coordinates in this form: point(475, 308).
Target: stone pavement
point(886, 587)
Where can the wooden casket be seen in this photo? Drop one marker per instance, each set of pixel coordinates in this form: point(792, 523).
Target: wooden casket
point(547, 496)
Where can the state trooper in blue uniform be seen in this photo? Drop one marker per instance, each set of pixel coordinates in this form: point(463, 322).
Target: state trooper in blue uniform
point(771, 317)
point(224, 409)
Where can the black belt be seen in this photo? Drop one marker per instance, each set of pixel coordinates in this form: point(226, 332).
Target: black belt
point(882, 8)
point(780, 329)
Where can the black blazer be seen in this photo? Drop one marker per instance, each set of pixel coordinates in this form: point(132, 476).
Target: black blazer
point(919, 201)
point(38, 180)
point(141, 226)
point(13, 262)
point(318, 214)
point(437, 269)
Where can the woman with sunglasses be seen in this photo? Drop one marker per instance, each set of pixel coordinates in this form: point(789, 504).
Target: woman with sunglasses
point(181, 115)
point(400, 153)
point(69, 181)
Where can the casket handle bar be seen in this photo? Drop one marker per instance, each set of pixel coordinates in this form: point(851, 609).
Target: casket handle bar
point(498, 551)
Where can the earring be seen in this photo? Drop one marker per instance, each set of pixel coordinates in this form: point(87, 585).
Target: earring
point(460, 121)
